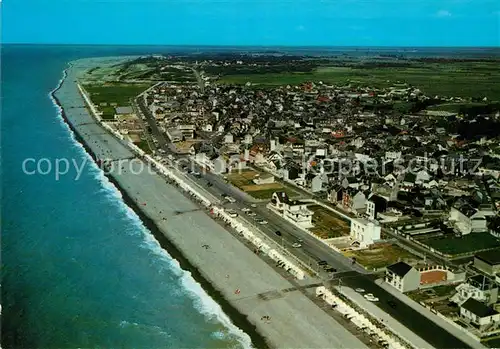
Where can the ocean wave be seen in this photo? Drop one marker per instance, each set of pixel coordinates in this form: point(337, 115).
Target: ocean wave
point(203, 302)
point(152, 329)
point(208, 307)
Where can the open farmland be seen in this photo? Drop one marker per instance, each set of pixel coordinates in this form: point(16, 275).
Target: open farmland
point(460, 79)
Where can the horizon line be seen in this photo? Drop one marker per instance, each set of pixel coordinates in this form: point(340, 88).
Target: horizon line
point(246, 45)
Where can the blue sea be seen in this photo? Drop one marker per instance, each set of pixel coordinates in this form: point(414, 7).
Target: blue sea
point(79, 269)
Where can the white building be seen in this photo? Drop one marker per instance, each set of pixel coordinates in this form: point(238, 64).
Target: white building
point(228, 138)
point(316, 184)
point(265, 178)
point(392, 155)
point(480, 315)
point(402, 276)
point(365, 232)
point(468, 219)
point(207, 128)
point(292, 210)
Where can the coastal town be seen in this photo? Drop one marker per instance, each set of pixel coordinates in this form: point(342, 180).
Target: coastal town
point(388, 195)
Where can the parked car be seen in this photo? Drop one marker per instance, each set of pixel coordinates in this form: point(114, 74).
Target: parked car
point(296, 245)
point(277, 232)
point(253, 205)
point(322, 262)
point(331, 270)
point(392, 304)
point(360, 290)
point(371, 297)
point(252, 213)
point(245, 209)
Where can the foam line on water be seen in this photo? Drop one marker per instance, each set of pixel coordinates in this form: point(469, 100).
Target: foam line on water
point(203, 302)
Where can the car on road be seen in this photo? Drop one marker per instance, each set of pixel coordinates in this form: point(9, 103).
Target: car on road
point(252, 213)
point(262, 222)
point(360, 290)
point(371, 297)
point(245, 209)
point(230, 199)
point(392, 304)
point(253, 205)
point(277, 232)
point(296, 245)
point(322, 262)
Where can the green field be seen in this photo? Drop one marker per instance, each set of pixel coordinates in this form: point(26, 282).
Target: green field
point(454, 79)
point(114, 93)
point(143, 144)
point(466, 244)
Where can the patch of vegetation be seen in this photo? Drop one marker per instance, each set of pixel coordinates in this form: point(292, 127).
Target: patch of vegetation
point(143, 144)
point(111, 93)
point(268, 193)
point(476, 79)
point(381, 255)
point(462, 245)
point(327, 224)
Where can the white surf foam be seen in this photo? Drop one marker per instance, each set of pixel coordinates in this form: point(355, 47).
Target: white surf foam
point(207, 306)
point(203, 302)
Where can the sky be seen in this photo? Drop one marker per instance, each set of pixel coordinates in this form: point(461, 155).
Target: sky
point(253, 22)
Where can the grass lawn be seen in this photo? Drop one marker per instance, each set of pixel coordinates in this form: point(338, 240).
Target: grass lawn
point(493, 343)
point(114, 93)
point(460, 79)
point(267, 193)
point(466, 244)
point(381, 255)
point(143, 144)
point(244, 181)
point(327, 224)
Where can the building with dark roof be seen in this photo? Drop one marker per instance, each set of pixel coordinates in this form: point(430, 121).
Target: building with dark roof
point(402, 276)
point(488, 261)
point(480, 315)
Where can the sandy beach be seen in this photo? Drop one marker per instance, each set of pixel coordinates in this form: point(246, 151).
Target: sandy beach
point(227, 265)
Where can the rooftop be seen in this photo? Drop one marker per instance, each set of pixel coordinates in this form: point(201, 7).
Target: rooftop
point(400, 268)
point(478, 308)
point(491, 257)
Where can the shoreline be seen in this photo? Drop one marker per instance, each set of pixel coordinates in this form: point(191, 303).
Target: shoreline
point(237, 318)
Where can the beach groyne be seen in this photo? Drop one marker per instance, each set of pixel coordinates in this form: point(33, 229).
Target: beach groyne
point(257, 299)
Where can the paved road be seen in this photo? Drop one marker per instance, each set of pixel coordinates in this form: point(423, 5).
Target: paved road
point(350, 275)
point(313, 250)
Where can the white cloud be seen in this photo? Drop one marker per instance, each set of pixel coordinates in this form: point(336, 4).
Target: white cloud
point(443, 13)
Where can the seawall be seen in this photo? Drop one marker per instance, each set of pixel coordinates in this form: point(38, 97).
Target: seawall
point(228, 265)
point(236, 317)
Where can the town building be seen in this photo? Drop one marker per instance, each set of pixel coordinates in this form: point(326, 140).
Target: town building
point(265, 178)
point(292, 210)
point(402, 276)
point(478, 314)
point(467, 219)
point(364, 232)
point(479, 287)
point(488, 261)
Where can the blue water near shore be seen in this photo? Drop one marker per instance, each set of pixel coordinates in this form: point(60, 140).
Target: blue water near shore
point(79, 269)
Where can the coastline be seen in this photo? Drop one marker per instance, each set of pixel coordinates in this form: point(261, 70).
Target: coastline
point(238, 319)
point(297, 321)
